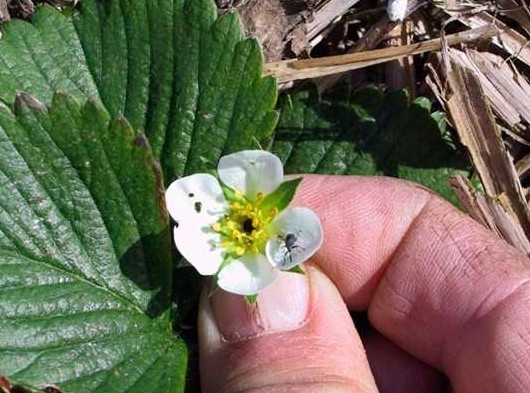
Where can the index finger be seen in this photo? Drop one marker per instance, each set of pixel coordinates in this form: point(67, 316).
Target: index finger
point(437, 283)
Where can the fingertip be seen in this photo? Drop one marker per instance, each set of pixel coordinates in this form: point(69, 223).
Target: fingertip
point(321, 352)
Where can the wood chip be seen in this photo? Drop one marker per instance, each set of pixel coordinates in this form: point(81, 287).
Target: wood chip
point(308, 34)
point(471, 114)
point(499, 85)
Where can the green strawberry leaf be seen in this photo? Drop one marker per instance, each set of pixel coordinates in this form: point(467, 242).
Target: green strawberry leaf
point(179, 74)
point(85, 253)
point(367, 133)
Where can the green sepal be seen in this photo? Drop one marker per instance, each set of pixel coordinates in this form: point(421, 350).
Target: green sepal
point(296, 269)
point(224, 264)
point(230, 193)
point(251, 299)
point(282, 196)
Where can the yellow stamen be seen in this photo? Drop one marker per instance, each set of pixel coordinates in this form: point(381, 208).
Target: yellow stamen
point(245, 227)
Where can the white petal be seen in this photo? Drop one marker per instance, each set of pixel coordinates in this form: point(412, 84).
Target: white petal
point(305, 226)
point(196, 201)
point(249, 275)
point(251, 171)
point(397, 10)
point(200, 247)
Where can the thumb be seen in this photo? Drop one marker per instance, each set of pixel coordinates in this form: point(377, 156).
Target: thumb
point(299, 337)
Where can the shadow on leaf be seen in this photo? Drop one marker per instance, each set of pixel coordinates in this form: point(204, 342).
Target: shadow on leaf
point(149, 272)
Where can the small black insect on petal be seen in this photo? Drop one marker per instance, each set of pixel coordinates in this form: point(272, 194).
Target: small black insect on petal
point(198, 207)
point(191, 194)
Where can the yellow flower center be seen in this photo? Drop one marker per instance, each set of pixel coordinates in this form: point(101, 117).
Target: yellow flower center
point(245, 228)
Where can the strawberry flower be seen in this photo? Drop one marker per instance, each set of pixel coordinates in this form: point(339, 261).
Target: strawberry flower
point(238, 227)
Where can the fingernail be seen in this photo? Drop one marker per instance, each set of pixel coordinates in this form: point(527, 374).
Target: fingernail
point(282, 307)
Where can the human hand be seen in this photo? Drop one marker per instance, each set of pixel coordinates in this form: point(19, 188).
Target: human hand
point(443, 294)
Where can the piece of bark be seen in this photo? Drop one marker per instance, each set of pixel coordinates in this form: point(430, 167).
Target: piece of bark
point(4, 12)
point(472, 117)
point(308, 33)
point(491, 214)
point(504, 94)
point(511, 86)
point(285, 27)
point(292, 70)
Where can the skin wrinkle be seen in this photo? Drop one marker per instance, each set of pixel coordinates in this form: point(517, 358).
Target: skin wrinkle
point(306, 350)
point(287, 370)
point(482, 311)
point(326, 387)
point(304, 375)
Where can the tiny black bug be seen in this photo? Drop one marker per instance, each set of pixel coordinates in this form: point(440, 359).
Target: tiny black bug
point(198, 207)
point(289, 242)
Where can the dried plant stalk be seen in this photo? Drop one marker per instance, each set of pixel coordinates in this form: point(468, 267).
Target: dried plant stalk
point(292, 70)
point(491, 214)
point(509, 40)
